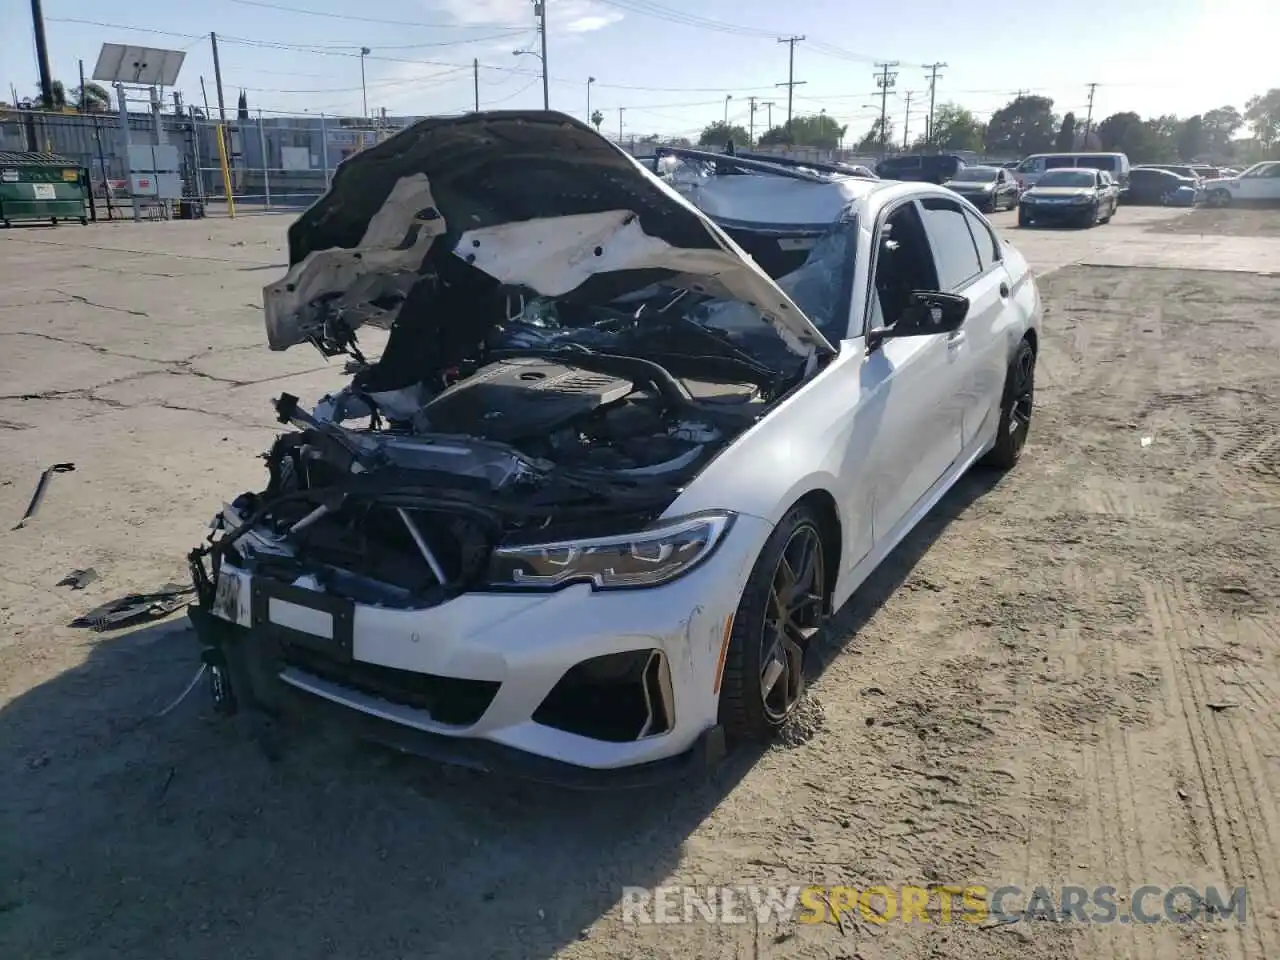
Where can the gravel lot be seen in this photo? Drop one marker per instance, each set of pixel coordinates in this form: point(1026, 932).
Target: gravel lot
point(1069, 676)
point(1227, 221)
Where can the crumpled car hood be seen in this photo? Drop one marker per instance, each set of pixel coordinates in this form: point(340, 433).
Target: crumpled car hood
point(532, 199)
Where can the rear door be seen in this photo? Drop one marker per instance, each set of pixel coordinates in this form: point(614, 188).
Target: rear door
point(969, 262)
point(914, 381)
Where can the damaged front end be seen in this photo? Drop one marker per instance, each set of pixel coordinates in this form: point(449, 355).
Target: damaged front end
point(570, 344)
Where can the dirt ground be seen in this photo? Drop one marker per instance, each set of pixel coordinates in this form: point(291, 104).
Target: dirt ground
point(1226, 221)
point(1069, 675)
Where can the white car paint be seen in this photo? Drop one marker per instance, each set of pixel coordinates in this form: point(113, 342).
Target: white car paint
point(885, 432)
point(1261, 182)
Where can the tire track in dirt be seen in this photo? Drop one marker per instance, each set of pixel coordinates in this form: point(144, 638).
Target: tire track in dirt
point(1231, 814)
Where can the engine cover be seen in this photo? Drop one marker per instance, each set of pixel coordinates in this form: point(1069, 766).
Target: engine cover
point(522, 397)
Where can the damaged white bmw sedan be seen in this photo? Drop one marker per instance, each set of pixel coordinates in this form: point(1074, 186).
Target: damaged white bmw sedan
point(626, 446)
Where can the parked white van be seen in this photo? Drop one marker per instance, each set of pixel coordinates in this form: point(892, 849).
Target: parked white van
point(1031, 169)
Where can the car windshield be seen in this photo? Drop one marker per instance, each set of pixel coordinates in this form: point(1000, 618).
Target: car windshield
point(1068, 178)
point(1256, 170)
point(976, 174)
point(650, 322)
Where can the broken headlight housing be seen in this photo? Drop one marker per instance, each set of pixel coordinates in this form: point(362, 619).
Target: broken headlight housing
point(649, 558)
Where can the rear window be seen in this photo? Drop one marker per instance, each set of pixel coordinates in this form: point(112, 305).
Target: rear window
point(900, 163)
point(1098, 163)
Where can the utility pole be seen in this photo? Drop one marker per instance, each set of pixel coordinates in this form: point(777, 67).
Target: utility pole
point(1088, 123)
point(42, 55)
point(769, 107)
point(540, 11)
point(80, 105)
point(620, 109)
point(475, 80)
point(885, 81)
point(792, 82)
point(906, 118)
point(933, 69)
point(364, 92)
point(217, 79)
point(751, 122)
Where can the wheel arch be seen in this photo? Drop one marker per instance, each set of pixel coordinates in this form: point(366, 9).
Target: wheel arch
point(827, 513)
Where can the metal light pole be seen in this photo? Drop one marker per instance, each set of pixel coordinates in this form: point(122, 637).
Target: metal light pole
point(540, 11)
point(620, 109)
point(590, 81)
point(727, 98)
point(546, 105)
point(364, 94)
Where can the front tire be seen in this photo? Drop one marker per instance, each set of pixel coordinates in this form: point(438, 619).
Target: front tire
point(1023, 219)
point(1016, 406)
point(782, 607)
point(1220, 198)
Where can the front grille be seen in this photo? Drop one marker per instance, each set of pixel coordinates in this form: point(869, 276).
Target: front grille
point(448, 700)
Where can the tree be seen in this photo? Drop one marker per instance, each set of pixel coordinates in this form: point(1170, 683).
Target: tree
point(92, 98)
point(876, 138)
point(59, 92)
point(1067, 134)
point(1144, 141)
point(597, 118)
point(1161, 144)
point(819, 131)
point(242, 107)
point(1192, 140)
point(1026, 124)
point(720, 133)
point(1119, 131)
point(774, 137)
point(955, 128)
point(1263, 115)
point(1220, 126)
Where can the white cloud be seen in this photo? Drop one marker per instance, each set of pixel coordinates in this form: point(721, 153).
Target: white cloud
point(573, 16)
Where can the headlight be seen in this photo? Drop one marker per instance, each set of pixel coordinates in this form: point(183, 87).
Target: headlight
point(1083, 199)
point(645, 559)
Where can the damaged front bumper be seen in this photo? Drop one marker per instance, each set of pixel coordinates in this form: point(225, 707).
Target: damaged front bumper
point(574, 686)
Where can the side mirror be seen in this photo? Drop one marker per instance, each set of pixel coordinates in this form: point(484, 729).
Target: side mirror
point(930, 312)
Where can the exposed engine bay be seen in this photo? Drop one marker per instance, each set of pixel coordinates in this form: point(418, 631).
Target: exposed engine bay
point(562, 361)
point(400, 498)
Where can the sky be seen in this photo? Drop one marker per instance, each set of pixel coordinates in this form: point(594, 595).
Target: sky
point(673, 66)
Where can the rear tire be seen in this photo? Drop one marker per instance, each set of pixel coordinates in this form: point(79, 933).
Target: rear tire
point(782, 607)
point(1016, 406)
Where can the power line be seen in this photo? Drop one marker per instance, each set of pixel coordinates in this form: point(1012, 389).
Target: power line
point(792, 82)
point(660, 12)
point(358, 19)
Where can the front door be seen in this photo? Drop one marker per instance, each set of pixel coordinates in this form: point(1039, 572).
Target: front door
point(1261, 184)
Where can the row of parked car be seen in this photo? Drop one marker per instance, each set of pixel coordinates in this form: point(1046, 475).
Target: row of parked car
point(996, 187)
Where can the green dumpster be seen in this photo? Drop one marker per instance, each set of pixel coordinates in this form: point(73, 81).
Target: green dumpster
point(41, 186)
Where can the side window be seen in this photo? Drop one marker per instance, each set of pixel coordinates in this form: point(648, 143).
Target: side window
point(1028, 165)
point(1272, 171)
point(954, 252)
point(1057, 163)
point(988, 245)
point(903, 263)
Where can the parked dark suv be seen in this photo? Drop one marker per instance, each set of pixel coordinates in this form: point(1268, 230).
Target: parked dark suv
point(929, 168)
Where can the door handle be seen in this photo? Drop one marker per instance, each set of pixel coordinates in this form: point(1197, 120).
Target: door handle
point(956, 339)
point(1004, 291)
